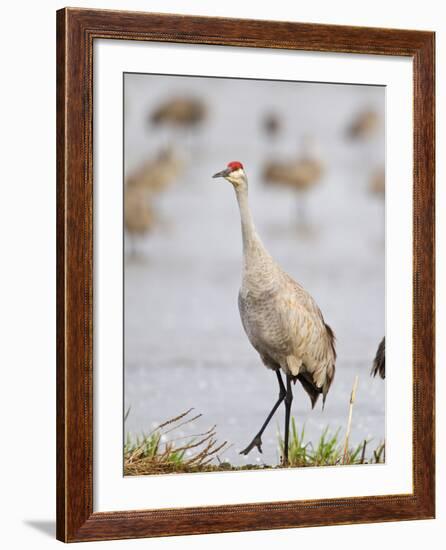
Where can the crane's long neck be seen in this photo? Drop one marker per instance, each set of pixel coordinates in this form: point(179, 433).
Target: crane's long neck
point(252, 245)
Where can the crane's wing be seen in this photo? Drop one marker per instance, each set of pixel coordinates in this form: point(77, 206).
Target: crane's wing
point(312, 341)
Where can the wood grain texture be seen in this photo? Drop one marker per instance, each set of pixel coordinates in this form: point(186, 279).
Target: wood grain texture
point(76, 31)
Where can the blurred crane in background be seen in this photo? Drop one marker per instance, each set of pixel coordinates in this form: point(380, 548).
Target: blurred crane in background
point(377, 185)
point(364, 125)
point(157, 173)
point(139, 217)
point(300, 174)
point(153, 177)
point(183, 115)
point(271, 125)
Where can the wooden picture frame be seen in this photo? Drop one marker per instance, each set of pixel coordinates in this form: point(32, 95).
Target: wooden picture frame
point(76, 31)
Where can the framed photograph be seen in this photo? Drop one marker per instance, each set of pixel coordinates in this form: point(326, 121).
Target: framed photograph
point(245, 275)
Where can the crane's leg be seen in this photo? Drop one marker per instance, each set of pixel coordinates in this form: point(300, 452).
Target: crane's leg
point(257, 441)
point(288, 401)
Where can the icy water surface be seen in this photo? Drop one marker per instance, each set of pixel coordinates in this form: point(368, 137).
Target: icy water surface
point(184, 342)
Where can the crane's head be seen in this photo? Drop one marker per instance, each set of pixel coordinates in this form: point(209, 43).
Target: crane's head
point(234, 173)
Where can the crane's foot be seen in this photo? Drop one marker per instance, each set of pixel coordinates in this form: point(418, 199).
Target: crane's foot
point(256, 442)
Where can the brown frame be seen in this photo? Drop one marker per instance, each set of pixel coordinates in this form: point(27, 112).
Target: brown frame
point(76, 31)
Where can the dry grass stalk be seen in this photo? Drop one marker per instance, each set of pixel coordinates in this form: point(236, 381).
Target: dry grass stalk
point(350, 415)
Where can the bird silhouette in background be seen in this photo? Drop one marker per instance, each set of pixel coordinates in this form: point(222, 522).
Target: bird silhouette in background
point(281, 319)
point(271, 125)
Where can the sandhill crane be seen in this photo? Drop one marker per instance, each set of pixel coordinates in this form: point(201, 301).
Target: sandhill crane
point(281, 319)
point(157, 173)
point(152, 177)
point(377, 184)
point(180, 113)
point(271, 125)
point(299, 174)
point(364, 125)
point(138, 214)
point(379, 363)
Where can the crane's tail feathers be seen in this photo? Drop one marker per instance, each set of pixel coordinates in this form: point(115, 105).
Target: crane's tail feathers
point(332, 339)
point(328, 383)
point(323, 399)
point(312, 390)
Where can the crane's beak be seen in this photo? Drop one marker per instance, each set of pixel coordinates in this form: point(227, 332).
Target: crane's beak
point(222, 174)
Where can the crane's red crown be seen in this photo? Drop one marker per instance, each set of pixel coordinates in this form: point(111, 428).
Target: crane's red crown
point(235, 165)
